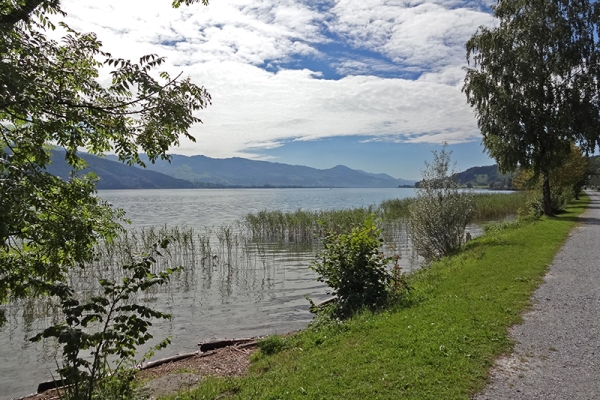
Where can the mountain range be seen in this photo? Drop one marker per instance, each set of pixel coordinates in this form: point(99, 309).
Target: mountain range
point(202, 171)
point(116, 175)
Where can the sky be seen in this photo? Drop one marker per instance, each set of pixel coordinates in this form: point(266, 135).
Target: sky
point(371, 84)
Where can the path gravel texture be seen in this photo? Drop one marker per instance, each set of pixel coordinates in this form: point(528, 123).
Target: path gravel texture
point(557, 351)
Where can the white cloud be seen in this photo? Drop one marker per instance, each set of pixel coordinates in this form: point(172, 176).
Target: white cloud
point(427, 34)
point(254, 107)
point(224, 46)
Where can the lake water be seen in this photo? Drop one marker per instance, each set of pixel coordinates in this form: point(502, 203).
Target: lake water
point(242, 288)
point(201, 208)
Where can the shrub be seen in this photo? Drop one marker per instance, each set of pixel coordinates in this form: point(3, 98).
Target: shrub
point(559, 199)
point(108, 327)
point(352, 265)
point(440, 212)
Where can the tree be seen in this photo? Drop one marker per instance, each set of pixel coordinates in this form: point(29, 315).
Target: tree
point(566, 181)
point(438, 216)
point(49, 94)
point(534, 84)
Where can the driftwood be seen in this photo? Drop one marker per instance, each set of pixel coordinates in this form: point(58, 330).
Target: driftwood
point(57, 384)
point(326, 301)
point(217, 344)
point(205, 349)
point(42, 387)
point(152, 364)
point(246, 345)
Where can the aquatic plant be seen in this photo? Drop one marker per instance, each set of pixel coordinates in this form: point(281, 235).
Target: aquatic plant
point(303, 226)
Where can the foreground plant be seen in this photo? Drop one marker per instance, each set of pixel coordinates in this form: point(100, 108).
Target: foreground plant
point(353, 266)
point(108, 326)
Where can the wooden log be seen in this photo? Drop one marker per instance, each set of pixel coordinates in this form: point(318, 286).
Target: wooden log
point(246, 345)
point(205, 348)
point(326, 301)
point(53, 384)
point(44, 386)
point(156, 363)
point(218, 344)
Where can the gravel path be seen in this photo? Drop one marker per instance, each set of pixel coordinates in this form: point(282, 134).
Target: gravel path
point(557, 352)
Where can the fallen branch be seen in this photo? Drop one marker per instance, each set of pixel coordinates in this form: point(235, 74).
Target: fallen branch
point(152, 364)
point(218, 344)
point(326, 301)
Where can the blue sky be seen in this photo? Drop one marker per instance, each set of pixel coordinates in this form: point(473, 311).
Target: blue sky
point(374, 85)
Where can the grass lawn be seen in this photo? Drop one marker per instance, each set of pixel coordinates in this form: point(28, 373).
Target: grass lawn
point(438, 344)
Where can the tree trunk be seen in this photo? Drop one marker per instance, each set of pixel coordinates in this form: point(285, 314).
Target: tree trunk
point(546, 193)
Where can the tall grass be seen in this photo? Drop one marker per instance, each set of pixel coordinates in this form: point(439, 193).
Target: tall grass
point(224, 251)
point(302, 226)
point(498, 205)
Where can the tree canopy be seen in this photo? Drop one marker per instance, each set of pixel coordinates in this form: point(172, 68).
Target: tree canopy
point(50, 94)
point(534, 83)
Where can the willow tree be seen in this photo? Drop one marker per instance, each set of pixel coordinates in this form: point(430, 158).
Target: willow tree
point(534, 84)
point(50, 95)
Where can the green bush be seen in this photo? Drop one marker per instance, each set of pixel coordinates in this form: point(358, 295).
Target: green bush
point(559, 197)
point(352, 265)
point(440, 213)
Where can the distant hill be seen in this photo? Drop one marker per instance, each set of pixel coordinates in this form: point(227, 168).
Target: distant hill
point(488, 176)
point(116, 175)
point(241, 172)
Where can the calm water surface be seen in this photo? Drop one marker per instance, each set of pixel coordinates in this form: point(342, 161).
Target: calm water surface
point(243, 289)
point(214, 207)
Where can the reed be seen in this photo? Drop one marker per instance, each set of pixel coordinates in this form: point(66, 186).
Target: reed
point(302, 226)
point(212, 252)
point(498, 205)
point(394, 209)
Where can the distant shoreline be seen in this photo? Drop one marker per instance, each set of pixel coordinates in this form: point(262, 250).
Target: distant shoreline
point(261, 187)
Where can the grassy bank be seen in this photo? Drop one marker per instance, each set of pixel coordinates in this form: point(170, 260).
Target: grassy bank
point(438, 344)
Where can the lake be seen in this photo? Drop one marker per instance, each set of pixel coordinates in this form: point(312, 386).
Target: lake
point(232, 287)
point(201, 208)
